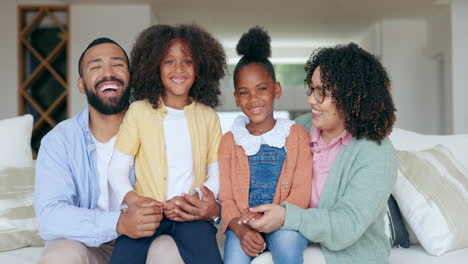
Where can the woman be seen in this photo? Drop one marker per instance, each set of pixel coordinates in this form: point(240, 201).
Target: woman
point(354, 163)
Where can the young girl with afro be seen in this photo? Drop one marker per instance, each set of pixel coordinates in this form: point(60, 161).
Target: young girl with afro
point(172, 134)
point(262, 160)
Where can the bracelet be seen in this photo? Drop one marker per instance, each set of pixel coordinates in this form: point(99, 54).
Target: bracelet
point(217, 218)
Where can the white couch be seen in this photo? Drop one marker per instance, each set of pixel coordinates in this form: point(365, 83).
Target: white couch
point(402, 140)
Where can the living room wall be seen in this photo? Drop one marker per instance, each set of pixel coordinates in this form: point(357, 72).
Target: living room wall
point(401, 44)
point(121, 22)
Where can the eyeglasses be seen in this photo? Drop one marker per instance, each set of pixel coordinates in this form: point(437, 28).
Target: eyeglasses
point(319, 94)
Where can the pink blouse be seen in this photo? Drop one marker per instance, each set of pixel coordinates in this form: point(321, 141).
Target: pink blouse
point(323, 156)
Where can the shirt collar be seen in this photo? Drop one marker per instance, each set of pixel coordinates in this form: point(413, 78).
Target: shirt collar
point(276, 137)
point(345, 136)
point(163, 109)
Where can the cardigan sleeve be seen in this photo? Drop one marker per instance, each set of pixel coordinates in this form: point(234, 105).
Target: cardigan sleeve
point(214, 137)
point(302, 174)
point(128, 141)
point(229, 208)
point(338, 227)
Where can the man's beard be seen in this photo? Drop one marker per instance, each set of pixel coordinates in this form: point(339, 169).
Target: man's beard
point(115, 105)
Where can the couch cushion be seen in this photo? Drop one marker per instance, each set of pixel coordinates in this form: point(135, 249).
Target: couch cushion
point(18, 226)
point(414, 254)
point(417, 255)
point(432, 192)
point(25, 255)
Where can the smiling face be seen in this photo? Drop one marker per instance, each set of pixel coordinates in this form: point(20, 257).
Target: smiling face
point(325, 115)
point(255, 95)
point(105, 78)
point(177, 73)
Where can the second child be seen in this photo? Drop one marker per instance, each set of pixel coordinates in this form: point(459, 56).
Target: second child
point(262, 160)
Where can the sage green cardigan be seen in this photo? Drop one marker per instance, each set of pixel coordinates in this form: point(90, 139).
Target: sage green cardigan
point(349, 222)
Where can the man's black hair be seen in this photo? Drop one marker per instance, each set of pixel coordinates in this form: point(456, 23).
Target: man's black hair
point(95, 42)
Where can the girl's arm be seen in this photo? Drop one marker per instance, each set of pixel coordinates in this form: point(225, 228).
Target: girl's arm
point(126, 147)
point(214, 138)
point(118, 177)
point(299, 194)
point(212, 181)
point(229, 208)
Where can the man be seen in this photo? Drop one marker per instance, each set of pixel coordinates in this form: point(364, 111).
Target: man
point(72, 201)
point(76, 214)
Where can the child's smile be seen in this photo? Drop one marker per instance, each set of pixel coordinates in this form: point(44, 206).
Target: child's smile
point(256, 110)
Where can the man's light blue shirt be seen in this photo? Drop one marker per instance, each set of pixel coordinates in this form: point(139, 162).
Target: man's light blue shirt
point(67, 186)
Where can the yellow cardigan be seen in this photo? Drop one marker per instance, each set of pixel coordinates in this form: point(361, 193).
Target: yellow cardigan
point(142, 134)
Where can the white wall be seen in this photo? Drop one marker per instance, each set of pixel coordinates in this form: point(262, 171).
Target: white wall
point(439, 49)
point(413, 75)
point(121, 23)
point(9, 65)
point(370, 39)
point(459, 21)
point(9, 54)
point(410, 50)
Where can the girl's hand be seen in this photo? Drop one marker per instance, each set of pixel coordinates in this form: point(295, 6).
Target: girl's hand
point(195, 208)
point(272, 219)
point(251, 240)
point(171, 208)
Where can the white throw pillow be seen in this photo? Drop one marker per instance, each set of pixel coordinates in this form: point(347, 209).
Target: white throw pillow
point(432, 193)
point(409, 140)
point(15, 142)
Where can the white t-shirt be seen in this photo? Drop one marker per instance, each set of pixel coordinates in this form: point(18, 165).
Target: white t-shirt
point(103, 158)
point(178, 153)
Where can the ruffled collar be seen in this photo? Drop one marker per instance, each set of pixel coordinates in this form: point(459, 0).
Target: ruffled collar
point(276, 137)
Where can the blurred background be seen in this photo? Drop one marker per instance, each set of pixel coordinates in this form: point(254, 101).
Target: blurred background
point(422, 43)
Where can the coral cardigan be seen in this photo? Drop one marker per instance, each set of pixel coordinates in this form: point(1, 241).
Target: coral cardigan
point(294, 183)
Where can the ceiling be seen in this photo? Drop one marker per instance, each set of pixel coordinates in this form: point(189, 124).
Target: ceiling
point(312, 21)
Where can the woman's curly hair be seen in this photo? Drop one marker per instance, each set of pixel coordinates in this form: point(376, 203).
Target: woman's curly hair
point(360, 86)
point(150, 48)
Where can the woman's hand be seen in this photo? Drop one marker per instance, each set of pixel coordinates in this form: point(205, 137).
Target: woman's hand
point(272, 219)
point(248, 215)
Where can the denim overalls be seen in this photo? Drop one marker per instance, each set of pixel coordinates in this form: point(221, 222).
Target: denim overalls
point(265, 169)
point(286, 246)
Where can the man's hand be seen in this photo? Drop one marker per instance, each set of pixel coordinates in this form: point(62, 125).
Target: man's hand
point(251, 240)
point(273, 217)
point(132, 198)
point(170, 207)
point(140, 219)
point(195, 209)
